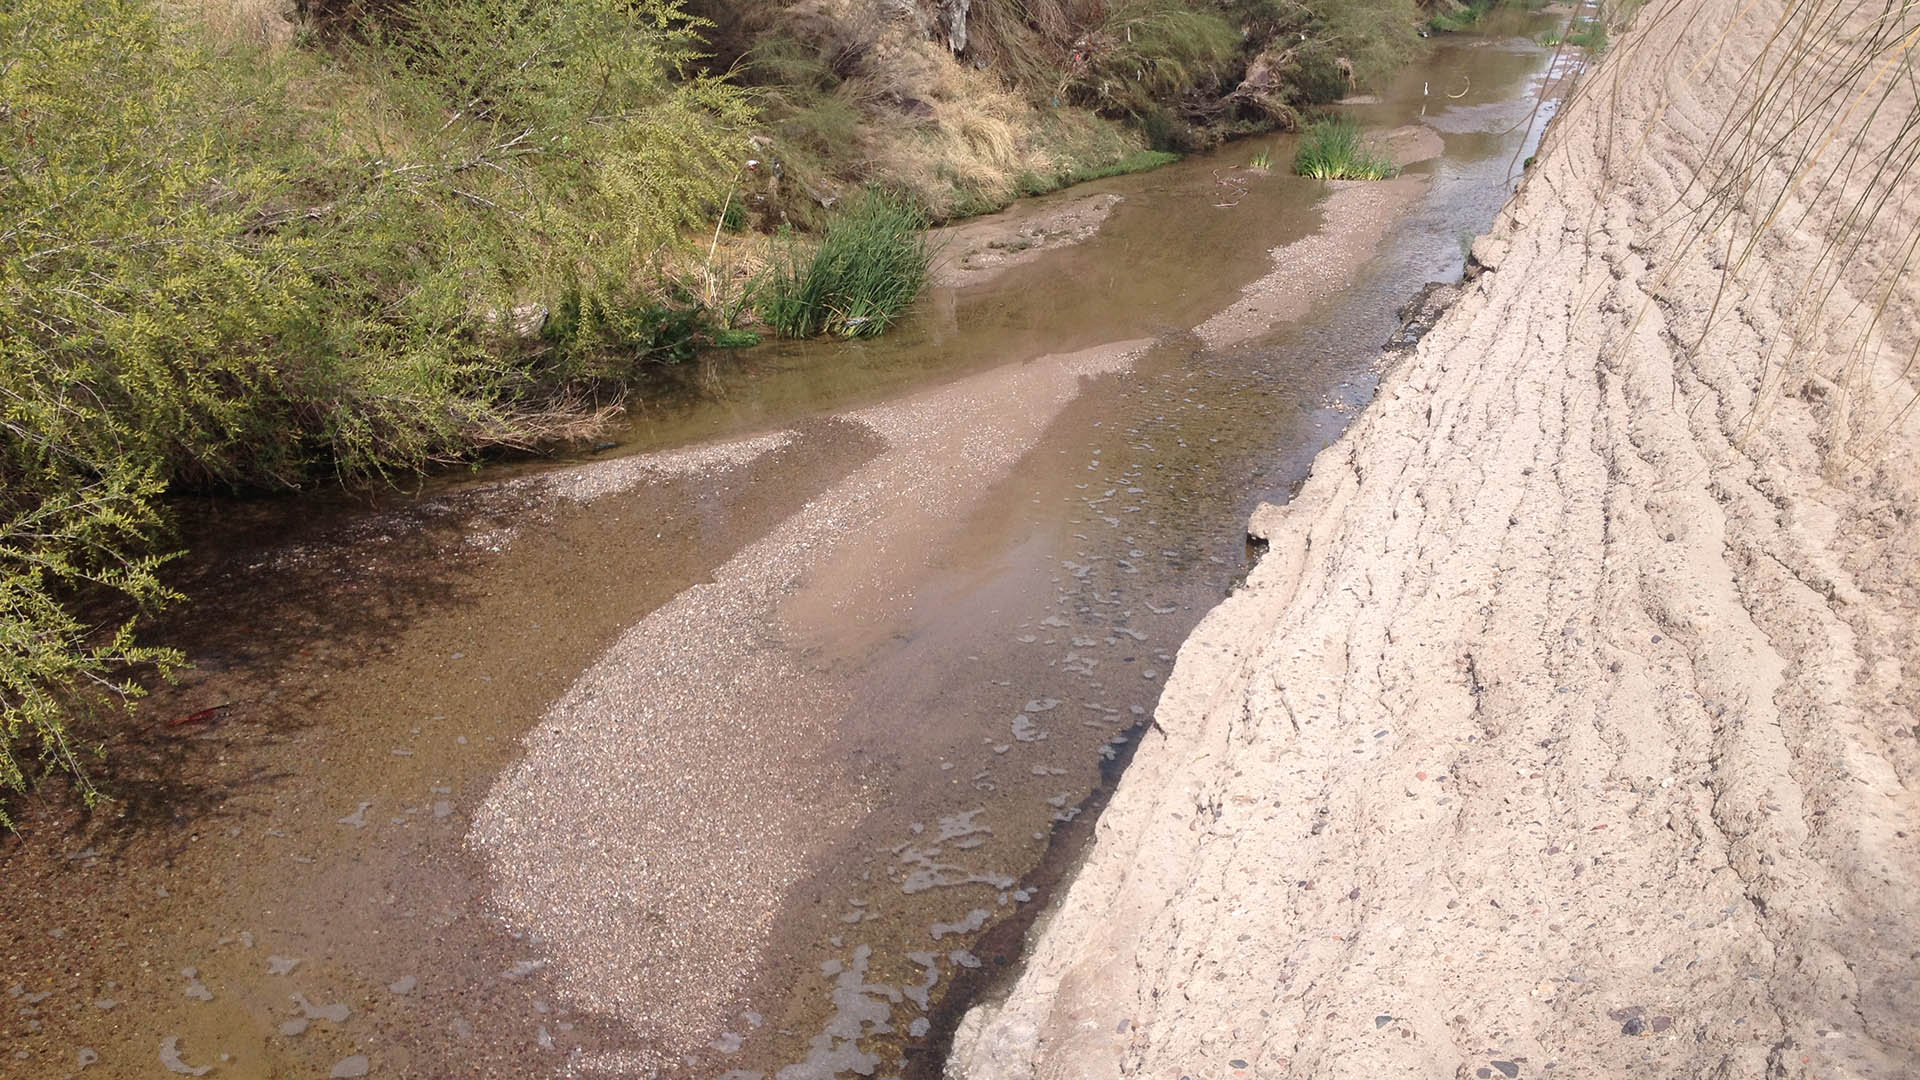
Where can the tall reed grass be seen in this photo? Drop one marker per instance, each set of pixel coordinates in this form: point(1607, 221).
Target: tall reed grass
point(868, 267)
point(1334, 149)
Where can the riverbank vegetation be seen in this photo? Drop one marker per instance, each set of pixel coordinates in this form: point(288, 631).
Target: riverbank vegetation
point(865, 271)
point(1333, 148)
point(258, 245)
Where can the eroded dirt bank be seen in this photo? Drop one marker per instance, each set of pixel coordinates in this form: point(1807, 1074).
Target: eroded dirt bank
point(1569, 728)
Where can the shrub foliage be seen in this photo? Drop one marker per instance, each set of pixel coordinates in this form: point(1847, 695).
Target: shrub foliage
point(220, 267)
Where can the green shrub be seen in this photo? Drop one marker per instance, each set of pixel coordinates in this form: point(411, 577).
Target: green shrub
point(1453, 17)
point(205, 282)
point(868, 267)
point(1333, 149)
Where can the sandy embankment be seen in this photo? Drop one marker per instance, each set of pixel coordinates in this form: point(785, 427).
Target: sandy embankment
point(1570, 724)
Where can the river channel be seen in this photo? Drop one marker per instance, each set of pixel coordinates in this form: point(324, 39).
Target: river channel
point(754, 745)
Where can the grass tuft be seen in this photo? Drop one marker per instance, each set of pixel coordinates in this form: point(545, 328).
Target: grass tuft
point(867, 269)
point(1333, 149)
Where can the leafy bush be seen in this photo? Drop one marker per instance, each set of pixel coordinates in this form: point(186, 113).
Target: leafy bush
point(868, 268)
point(1333, 149)
point(206, 280)
point(1451, 16)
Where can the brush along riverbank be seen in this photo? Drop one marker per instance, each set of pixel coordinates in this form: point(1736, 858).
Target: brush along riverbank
point(1569, 722)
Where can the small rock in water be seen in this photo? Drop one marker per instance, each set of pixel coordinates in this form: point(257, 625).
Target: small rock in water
point(282, 965)
point(295, 1027)
point(403, 985)
point(964, 958)
point(350, 1067)
point(919, 1027)
point(170, 1057)
point(86, 1056)
point(357, 819)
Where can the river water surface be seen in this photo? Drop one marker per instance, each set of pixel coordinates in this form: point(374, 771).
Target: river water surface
point(753, 747)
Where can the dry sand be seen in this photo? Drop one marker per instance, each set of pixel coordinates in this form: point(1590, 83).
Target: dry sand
point(1569, 728)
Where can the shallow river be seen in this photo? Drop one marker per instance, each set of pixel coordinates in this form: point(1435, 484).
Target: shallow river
point(754, 746)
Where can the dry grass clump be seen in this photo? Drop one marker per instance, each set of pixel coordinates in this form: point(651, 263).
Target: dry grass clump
point(261, 23)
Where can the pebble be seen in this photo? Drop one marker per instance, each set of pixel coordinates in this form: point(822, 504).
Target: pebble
point(170, 1057)
point(86, 1056)
point(403, 986)
point(295, 1027)
point(728, 1043)
point(348, 1068)
point(357, 819)
point(282, 965)
point(1507, 1068)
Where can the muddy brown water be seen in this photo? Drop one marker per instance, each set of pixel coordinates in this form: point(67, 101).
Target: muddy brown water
point(754, 748)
